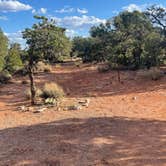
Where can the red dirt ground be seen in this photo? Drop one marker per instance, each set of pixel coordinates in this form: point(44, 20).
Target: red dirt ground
point(124, 125)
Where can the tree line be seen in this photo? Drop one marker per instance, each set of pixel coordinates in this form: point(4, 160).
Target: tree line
point(131, 40)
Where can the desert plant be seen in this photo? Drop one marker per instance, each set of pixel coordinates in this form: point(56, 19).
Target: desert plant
point(28, 93)
point(103, 68)
point(46, 42)
point(22, 72)
point(43, 67)
point(5, 76)
point(13, 59)
point(52, 90)
point(153, 74)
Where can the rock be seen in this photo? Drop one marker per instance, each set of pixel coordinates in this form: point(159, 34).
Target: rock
point(23, 108)
point(85, 102)
point(40, 110)
point(134, 98)
point(30, 109)
point(74, 107)
point(51, 101)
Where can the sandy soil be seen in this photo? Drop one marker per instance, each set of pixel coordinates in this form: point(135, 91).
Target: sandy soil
point(124, 125)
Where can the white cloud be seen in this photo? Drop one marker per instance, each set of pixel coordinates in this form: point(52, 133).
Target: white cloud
point(34, 11)
point(82, 11)
point(43, 10)
point(40, 11)
point(71, 33)
point(66, 9)
point(16, 37)
point(3, 18)
point(115, 12)
point(13, 6)
point(133, 7)
point(83, 21)
point(77, 25)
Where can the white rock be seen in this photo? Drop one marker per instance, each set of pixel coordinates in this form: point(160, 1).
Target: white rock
point(134, 98)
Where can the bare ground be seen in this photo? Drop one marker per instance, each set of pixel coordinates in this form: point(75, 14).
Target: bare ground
point(124, 125)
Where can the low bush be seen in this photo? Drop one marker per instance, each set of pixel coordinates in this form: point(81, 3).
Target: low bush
point(153, 74)
point(42, 67)
point(77, 63)
point(22, 72)
point(5, 76)
point(52, 90)
point(28, 93)
point(103, 68)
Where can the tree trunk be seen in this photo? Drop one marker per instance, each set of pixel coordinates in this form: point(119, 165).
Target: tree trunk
point(32, 85)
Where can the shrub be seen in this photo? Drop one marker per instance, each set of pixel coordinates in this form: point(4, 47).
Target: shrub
point(103, 68)
point(52, 90)
point(77, 63)
point(153, 74)
point(13, 59)
point(42, 67)
point(5, 76)
point(22, 72)
point(28, 93)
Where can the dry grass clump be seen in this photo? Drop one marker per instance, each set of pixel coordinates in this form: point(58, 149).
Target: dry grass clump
point(43, 67)
point(52, 90)
point(5, 76)
point(50, 95)
point(153, 74)
point(103, 68)
point(28, 93)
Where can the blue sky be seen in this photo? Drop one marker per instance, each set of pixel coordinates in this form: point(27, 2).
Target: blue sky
point(77, 16)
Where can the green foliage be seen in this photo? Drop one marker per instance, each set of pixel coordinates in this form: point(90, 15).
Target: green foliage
point(82, 47)
point(5, 76)
point(157, 15)
point(129, 40)
point(131, 28)
point(3, 49)
point(153, 53)
point(47, 41)
point(13, 60)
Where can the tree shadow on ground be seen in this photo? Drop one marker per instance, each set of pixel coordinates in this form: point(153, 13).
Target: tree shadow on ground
point(105, 141)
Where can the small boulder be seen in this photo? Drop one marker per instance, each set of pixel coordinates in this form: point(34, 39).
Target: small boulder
point(74, 107)
point(84, 102)
point(134, 98)
point(40, 110)
point(50, 101)
point(23, 108)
